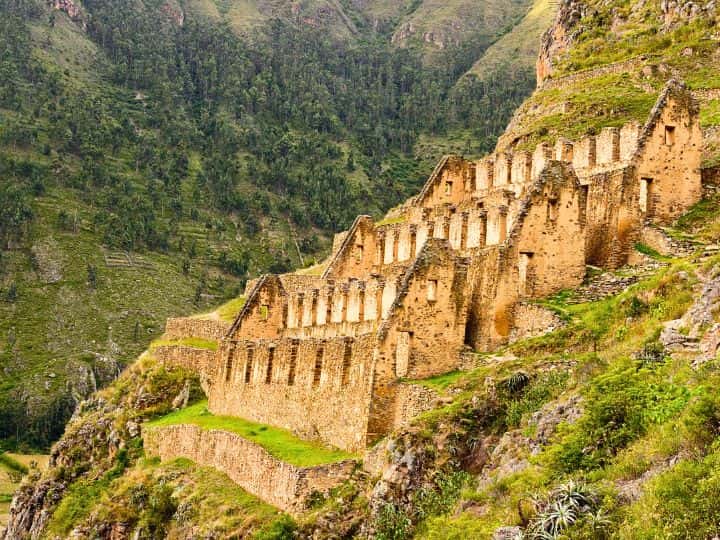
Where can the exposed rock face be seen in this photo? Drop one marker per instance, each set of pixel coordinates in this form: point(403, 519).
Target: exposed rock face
point(69, 7)
point(697, 331)
point(110, 422)
point(557, 39)
point(174, 12)
point(683, 10)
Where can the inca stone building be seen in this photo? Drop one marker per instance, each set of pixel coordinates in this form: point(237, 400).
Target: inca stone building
point(452, 269)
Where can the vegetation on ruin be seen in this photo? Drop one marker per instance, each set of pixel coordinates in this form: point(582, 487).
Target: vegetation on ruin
point(686, 50)
point(149, 493)
point(278, 442)
point(230, 310)
point(197, 343)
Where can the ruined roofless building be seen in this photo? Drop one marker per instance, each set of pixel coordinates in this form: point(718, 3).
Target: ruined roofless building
point(453, 268)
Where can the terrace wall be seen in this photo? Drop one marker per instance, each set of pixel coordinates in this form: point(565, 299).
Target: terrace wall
point(247, 464)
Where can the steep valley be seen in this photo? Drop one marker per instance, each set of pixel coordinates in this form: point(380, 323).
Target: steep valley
point(155, 156)
point(524, 346)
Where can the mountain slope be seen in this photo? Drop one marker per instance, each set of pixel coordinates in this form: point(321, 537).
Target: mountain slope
point(607, 427)
point(600, 77)
point(156, 154)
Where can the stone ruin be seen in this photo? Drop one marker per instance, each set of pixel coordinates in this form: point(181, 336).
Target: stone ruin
point(331, 357)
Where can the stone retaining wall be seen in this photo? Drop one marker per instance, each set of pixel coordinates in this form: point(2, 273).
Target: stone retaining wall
point(624, 66)
point(246, 463)
point(532, 320)
point(412, 400)
point(200, 361)
point(186, 327)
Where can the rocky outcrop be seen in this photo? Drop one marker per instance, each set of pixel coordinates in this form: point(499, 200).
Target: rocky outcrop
point(110, 420)
point(697, 331)
point(674, 11)
point(68, 6)
point(558, 38)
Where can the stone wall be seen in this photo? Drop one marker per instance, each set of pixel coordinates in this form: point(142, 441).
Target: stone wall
point(185, 327)
point(630, 65)
point(669, 157)
point(412, 400)
point(246, 463)
point(532, 320)
point(319, 389)
point(200, 361)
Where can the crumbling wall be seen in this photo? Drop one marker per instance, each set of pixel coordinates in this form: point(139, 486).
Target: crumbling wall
point(412, 400)
point(612, 217)
point(669, 158)
point(424, 333)
point(281, 484)
point(532, 320)
point(200, 361)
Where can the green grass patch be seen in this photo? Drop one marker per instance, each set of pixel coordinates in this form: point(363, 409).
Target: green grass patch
point(650, 252)
point(710, 113)
point(278, 442)
point(229, 311)
point(392, 221)
point(699, 215)
point(197, 343)
point(438, 382)
point(12, 464)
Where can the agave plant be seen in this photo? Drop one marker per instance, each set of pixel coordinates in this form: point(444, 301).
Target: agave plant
point(561, 509)
point(517, 381)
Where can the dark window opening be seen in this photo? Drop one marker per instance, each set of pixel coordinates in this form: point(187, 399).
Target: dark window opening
point(293, 364)
point(347, 362)
point(318, 366)
point(669, 135)
point(269, 372)
point(249, 366)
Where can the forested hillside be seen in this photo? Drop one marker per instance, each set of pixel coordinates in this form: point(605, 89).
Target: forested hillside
point(154, 155)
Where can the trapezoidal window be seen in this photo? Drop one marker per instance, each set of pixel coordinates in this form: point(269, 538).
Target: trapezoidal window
point(347, 362)
point(229, 364)
point(524, 264)
point(317, 374)
point(402, 354)
point(269, 371)
point(249, 365)
point(583, 203)
point(448, 188)
point(669, 135)
point(553, 209)
point(502, 228)
point(645, 198)
point(264, 312)
point(432, 286)
point(293, 363)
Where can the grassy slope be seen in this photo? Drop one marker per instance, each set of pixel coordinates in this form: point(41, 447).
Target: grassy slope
point(278, 442)
point(517, 50)
point(57, 330)
point(616, 99)
point(12, 467)
point(212, 502)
